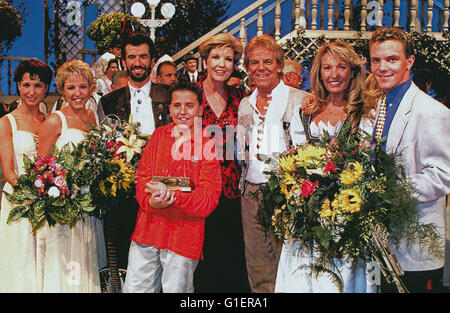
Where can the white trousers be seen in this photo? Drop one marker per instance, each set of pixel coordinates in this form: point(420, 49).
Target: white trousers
point(150, 268)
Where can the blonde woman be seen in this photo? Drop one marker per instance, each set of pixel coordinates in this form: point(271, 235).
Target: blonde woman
point(224, 244)
point(337, 82)
point(69, 257)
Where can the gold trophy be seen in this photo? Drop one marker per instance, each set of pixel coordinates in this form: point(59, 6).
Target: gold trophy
point(174, 183)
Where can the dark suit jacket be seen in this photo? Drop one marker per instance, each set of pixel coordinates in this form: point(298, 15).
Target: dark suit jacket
point(184, 77)
point(118, 102)
point(124, 218)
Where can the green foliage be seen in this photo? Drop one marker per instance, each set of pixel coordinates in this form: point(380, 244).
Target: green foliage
point(192, 20)
point(107, 28)
point(12, 24)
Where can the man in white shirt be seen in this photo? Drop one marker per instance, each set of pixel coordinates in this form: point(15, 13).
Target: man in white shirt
point(263, 121)
point(147, 103)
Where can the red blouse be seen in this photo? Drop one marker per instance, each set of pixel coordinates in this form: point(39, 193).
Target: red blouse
point(227, 122)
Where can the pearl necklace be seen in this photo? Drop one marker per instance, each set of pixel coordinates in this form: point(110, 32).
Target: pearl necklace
point(381, 119)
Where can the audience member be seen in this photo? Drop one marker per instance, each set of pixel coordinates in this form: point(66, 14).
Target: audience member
point(292, 73)
point(166, 73)
point(100, 66)
point(191, 73)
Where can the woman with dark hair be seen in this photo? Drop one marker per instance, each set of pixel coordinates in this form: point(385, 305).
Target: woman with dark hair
point(104, 82)
point(223, 268)
point(19, 136)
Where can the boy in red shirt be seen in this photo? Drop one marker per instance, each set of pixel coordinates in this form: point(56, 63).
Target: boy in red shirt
point(168, 239)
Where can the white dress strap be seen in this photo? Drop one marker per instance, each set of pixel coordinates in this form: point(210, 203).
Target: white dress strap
point(63, 121)
point(13, 123)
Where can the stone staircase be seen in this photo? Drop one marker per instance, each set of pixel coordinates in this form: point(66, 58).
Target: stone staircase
point(332, 19)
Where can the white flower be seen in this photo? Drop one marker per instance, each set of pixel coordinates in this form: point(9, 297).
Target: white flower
point(131, 146)
point(54, 192)
point(84, 189)
point(38, 183)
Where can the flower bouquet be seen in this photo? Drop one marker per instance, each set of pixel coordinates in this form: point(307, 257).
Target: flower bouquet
point(49, 191)
point(110, 156)
point(336, 195)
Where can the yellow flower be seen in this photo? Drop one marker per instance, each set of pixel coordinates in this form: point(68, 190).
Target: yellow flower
point(352, 174)
point(285, 191)
point(308, 153)
point(103, 188)
point(124, 182)
point(326, 210)
point(287, 163)
point(131, 146)
point(288, 179)
point(348, 200)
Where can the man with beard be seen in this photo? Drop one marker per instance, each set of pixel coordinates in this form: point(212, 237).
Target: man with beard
point(140, 98)
point(148, 105)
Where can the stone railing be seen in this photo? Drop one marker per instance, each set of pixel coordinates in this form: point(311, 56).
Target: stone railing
point(331, 18)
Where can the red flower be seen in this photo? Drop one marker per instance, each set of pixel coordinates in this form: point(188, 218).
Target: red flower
point(110, 144)
point(308, 188)
point(330, 167)
point(119, 144)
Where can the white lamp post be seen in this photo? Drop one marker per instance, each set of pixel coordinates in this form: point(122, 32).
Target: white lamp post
point(138, 10)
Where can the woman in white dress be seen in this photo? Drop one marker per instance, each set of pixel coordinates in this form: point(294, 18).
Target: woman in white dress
point(19, 135)
point(337, 79)
point(68, 258)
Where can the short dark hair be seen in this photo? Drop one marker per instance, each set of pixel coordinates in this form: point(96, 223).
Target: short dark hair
point(190, 56)
point(136, 40)
point(237, 73)
point(168, 62)
point(115, 60)
point(117, 75)
point(190, 87)
point(116, 43)
point(35, 68)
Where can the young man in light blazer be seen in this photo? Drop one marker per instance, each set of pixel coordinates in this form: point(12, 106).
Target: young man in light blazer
point(417, 128)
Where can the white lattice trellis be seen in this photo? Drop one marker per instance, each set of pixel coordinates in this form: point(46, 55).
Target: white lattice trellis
point(72, 37)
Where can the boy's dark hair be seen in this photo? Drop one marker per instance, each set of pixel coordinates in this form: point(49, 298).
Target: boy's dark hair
point(136, 40)
point(190, 87)
point(35, 68)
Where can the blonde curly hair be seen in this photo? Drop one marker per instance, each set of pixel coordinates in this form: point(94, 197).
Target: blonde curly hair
point(353, 96)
